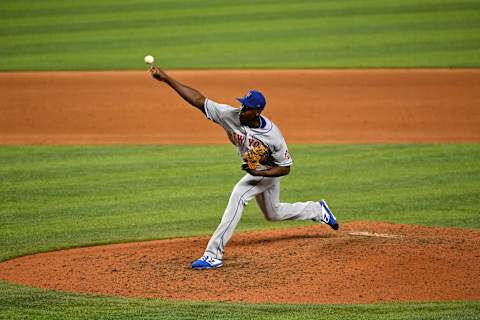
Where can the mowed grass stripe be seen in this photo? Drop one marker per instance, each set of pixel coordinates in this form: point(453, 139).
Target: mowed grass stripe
point(329, 29)
point(354, 24)
point(221, 15)
point(58, 197)
point(146, 174)
point(407, 50)
point(305, 34)
point(261, 10)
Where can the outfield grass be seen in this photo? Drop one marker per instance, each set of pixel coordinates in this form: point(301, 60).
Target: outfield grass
point(116, 34)
point(55, 197)
point(21, 302)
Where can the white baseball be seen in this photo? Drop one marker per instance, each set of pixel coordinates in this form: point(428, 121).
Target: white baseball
point(149, 59)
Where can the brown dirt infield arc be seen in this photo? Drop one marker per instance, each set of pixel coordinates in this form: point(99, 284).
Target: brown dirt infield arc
point(361, 263)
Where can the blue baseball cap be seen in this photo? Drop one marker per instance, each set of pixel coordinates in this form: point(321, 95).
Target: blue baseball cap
point(253, 99)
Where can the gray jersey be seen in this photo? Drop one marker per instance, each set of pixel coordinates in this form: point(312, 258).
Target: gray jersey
point(245, 138)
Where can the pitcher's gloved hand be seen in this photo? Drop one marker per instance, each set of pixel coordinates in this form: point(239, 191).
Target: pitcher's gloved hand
point(255, 156)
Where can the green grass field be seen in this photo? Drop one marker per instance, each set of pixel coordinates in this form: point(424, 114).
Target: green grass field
point(25, 303)
point(116, 34)
point(55, 197)
point(62, 196)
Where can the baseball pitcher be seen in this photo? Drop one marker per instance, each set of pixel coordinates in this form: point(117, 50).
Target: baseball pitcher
point(265, 159)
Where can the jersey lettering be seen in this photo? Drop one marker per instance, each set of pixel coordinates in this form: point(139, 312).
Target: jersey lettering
point(253, 143)
point(239, 138)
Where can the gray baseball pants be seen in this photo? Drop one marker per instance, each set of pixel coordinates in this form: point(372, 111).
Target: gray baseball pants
point(266, 192)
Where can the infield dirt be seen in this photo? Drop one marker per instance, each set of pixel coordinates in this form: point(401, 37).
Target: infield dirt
point(309, 106)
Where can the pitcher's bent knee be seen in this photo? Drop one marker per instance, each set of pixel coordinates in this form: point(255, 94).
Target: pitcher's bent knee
point(272, 216)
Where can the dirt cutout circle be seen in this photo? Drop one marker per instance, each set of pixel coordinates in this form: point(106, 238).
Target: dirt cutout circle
point(363, 262)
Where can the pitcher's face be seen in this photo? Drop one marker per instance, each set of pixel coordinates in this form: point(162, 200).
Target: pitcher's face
point(248, 116)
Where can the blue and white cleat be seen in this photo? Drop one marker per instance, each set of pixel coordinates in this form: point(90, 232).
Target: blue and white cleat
point(207, 262)
point(327, 216)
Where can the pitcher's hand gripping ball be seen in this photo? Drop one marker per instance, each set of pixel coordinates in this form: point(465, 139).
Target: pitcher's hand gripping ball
point(256, 156)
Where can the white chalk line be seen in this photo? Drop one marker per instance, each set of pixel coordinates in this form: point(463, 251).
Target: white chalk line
point(374, 234)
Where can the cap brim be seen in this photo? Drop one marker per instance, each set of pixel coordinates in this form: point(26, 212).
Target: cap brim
point(245, 103)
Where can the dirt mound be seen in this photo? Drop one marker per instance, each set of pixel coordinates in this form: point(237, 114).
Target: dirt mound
point(364, 262)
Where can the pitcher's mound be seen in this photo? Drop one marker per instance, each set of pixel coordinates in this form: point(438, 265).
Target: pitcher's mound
point(363, 262)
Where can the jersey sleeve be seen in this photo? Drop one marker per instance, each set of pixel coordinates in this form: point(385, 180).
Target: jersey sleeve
point(216, 111)
point(281, 156)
